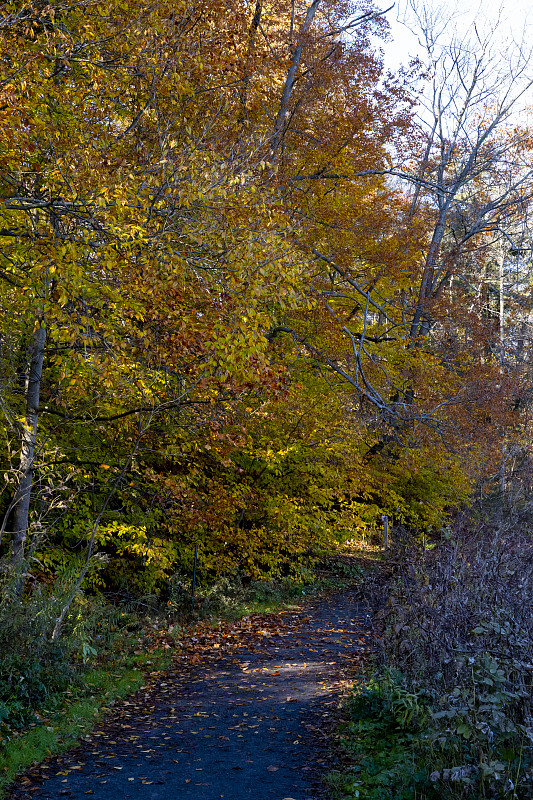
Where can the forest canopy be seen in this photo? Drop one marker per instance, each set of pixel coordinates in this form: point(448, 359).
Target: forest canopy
point(256, 291)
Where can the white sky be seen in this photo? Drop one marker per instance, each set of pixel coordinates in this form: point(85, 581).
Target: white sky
point(514, 16)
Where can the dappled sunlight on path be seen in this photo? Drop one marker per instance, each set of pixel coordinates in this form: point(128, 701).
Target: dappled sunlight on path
point(248, 719)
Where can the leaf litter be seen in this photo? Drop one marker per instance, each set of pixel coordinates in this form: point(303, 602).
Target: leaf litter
point(230, 716)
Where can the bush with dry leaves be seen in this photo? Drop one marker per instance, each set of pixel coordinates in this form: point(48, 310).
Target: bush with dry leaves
point(458, 630)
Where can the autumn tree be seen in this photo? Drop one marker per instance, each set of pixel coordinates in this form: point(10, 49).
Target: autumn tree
point(108, 215)
point(143, 246)
point(215, 269)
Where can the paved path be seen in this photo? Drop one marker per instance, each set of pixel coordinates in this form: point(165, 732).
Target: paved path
point(245, 722)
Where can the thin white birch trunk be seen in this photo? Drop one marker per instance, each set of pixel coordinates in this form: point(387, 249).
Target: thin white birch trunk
point(21, 505)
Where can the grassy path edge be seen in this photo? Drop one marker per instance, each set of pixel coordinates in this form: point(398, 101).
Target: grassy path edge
point(78, 717)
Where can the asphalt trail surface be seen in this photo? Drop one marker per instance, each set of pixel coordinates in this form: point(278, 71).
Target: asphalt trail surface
point(249, 720)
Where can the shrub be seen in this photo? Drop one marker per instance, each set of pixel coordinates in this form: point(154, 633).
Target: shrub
point(459, 629)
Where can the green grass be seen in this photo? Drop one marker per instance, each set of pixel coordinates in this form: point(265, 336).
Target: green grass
point(67, 716)
point(391, 749)
point(62, 729)
point(244, 609)
point(382, 755)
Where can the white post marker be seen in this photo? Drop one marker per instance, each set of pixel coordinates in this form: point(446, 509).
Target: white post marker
point(385, 519)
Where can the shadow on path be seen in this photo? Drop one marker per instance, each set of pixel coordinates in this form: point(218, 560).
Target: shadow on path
point(245, 722)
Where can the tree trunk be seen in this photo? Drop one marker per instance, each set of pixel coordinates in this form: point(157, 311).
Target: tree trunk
point(283, 111)
point(501, 313)
point(21, 501)
point(250, 56)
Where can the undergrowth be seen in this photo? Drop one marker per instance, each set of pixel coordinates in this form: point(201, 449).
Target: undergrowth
point(37, 672)
point(53, 692)
point(448, 712)
point(231, 598)
point(383, 746)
